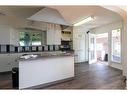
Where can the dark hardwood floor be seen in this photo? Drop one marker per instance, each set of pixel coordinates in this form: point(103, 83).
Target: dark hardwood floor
point(6, 80)
point(94, 76)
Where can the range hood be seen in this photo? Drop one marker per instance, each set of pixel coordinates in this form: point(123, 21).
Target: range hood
point(49, 15)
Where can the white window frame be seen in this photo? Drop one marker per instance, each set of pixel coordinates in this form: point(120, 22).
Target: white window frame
point(31, 32)
point(120, 46)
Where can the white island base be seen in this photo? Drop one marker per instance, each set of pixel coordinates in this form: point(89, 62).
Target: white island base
point(41, 71)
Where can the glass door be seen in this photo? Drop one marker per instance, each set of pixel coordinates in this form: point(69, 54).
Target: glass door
point(92, 48)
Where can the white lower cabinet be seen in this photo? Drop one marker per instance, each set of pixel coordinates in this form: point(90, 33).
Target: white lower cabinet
point(7, 62)
point(45, 70)
point(4, 62)
point(13, 59)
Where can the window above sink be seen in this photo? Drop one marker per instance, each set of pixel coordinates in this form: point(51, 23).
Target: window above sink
point(32, 37)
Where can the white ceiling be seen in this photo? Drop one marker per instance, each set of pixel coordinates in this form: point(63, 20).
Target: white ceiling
point(20, 11)
point(48, 15)
point(71, 14)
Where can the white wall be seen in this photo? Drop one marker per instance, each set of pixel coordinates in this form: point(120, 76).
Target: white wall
point(4, 34)
point(107, 29)
point(124, 49)
point(80, 44)
point(122, 11)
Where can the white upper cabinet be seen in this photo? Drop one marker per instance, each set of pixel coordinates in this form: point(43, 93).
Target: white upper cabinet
point(53, 34)
point(4, 34)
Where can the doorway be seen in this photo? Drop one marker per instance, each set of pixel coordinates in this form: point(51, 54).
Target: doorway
point(102, 48)
point(98, 48)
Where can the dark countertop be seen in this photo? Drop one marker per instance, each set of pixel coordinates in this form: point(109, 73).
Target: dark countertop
point(47, 56)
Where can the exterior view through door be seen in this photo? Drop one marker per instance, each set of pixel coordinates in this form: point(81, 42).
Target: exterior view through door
point(102, 48)
point(98, 48)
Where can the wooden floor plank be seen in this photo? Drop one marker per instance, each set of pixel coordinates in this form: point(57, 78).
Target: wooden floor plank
point(94, 76)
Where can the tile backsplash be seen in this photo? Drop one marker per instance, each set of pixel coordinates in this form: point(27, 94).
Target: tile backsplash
point(5, 48)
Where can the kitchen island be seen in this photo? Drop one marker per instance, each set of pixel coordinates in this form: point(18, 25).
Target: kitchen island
point(45, 70)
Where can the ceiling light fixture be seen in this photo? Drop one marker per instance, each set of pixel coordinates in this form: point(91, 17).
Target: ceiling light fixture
point(84, 21)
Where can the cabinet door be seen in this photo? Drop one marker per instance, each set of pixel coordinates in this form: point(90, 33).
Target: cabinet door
point(79, 47)
point(53, 34)
point(13, 59)
point(8, 61)
point(50, 34)
point(5, 64)
point(57, 35)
